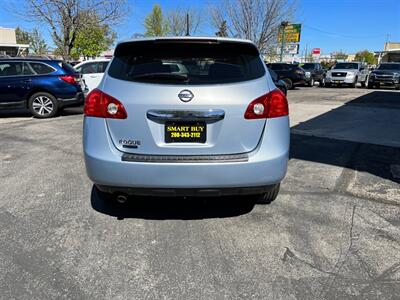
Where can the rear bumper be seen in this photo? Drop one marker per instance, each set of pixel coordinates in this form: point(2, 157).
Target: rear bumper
point(78, 99)
point(265, 166)
point(300, 82)
point(182, 192)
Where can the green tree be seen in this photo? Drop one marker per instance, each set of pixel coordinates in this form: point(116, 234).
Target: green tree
point(222, 29)
point(366, 56)
point(155, 23)
point(66, 18)
point(92, 40)
point(36, 43)
point(340, 55)
point(22, 36)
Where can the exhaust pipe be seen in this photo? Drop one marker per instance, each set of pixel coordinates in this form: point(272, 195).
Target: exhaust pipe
point(121, 198)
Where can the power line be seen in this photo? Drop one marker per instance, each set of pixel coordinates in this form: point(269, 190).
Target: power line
point(342, 35)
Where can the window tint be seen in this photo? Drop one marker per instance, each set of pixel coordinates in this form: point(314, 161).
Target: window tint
point(389, 67)
point(67, 67)
point(11, 68)
point(274, 76)
point(27, 70)
point(276, 67)
point(186, 62)
point(346, 66)
point(90, 68)
point(309, 66)
point(40, 68)
point(103, 66)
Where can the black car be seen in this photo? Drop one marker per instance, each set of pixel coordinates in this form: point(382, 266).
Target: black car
point(386, 74)
point(292, 75)
point(41, 85)
point(314, 73)
point(280, 84)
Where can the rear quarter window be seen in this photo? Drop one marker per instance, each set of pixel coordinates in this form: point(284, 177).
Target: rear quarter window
point(40, 68)
point(186, 62)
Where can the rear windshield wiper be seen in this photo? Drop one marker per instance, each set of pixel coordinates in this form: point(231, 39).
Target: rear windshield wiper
point(167, 76)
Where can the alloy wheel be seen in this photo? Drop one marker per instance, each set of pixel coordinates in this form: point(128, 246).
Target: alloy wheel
point(42, 105)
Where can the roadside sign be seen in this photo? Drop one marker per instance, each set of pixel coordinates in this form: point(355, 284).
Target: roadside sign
point(292, 33)
point(289, 49)
point(316, 51)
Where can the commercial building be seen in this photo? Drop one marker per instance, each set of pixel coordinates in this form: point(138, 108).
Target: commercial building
point(8, 43)
point(390, 53)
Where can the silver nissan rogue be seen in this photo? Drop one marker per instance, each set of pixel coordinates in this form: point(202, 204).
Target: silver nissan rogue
point(186, 117)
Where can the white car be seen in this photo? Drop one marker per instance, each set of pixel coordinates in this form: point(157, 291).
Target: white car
point(92, 72)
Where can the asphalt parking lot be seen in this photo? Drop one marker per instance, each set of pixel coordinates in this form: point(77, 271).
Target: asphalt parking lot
point(332, 233)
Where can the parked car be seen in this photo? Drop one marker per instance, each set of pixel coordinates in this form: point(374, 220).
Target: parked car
point(280, 84)
point(74, 63)
point(385, 74)
point(314, 73)
point(92, 72)
point(292, 75)
point(43, 86)
point(151, 131)
point(347, 73)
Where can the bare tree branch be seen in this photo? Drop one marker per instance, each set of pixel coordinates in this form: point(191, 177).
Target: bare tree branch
point(65, 18)
point(177, 21)
point(256, 20)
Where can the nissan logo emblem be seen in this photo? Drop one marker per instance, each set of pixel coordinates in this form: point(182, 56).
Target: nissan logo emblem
point(185, 95)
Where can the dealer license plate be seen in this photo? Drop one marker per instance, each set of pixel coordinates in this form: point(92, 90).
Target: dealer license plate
point(185, 132)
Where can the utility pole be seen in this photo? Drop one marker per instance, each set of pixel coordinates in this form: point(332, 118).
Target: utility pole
point(187, 25)
point(283, 26)
point(305, 56)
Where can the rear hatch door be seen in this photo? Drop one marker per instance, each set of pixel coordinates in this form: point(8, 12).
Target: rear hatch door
point(186, 97)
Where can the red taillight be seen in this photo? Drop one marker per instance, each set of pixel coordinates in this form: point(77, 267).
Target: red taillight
point(69, 79)
point(271, 105)
point(101, 105)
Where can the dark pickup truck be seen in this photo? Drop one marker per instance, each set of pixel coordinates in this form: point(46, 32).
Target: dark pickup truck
point(385, 74)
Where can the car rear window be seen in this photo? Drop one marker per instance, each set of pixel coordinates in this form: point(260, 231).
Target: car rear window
point(40, 68)
point(67, 67)
point(186, 62)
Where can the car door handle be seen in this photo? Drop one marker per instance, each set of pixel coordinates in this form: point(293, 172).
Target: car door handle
point(93, 76)
point(210, 115)
point(27, 80)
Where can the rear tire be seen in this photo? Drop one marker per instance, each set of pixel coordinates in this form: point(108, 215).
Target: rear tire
point(289, 83)
point(364, 83)
point(311, 83)
point(269, 196)
point(43, 105)
point(370, 85)
point(322, 82)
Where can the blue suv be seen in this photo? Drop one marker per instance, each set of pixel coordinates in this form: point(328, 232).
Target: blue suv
point(43, 86)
